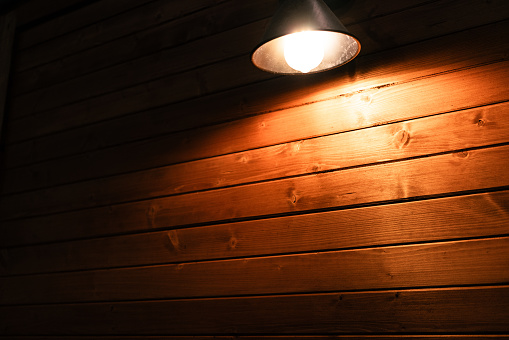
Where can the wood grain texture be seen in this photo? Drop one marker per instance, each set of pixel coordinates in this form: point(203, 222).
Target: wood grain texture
point(439, 175)
point(446, 92)
point(479, 262)
point(139, 37)
point(440, 17)
point(370, 200)
point(431, 135)
point(453, 310)
point(132, 73)
point(204, 80)
point(94, 12)
point(450, 50)
point(167, 62)
point(421, 221)
point(153, 22)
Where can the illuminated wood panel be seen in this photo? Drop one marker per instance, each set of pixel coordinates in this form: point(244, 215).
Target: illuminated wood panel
point(416, 138)
point(155, 185)
point(212, 77)
point(410, 222)
point(437, 175)
point(89, 137)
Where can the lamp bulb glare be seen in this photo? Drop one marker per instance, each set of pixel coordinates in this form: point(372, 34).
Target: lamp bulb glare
point(304, 51)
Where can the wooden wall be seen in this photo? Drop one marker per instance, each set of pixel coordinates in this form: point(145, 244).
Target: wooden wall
point(156, 185)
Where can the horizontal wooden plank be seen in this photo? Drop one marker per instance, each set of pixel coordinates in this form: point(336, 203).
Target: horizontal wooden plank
point(201, 80)
point(439, 175)
point(474, 262)
point(154, 66)
point(371, 107)
point(438, 18)
point(150, 27)
point(153, 13)
point(82, 17)
point(435, 134)
point(139, 37)
point(369, 71)
point(375, 183)
point(192, 83)
point(421, 221)
point(453, 310)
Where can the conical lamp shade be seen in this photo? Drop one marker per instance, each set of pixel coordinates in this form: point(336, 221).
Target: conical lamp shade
point(325, 45)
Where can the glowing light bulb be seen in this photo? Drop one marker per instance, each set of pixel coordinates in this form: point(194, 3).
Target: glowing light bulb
point(304, 50)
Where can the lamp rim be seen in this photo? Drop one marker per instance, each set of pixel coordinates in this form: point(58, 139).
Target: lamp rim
point(311, 72)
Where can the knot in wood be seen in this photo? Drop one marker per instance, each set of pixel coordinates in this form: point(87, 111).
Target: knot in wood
point(232, 244)
point(401, 139)
point(337, 300)
point(315, 168)
point(293, 148)
point(461, 154)
point(174, 241)
point(293, 198)
point(244, 159)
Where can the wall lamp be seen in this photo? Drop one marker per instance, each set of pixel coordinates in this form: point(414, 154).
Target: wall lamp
point(304, 36)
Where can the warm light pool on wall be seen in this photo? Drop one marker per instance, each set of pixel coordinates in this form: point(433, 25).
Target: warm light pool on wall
point(304, 36)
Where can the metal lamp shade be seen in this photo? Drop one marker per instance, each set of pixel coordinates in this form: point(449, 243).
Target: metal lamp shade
point(305, 15)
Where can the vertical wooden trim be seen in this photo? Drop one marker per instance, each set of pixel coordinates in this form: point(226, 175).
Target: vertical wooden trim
point(7, 29)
